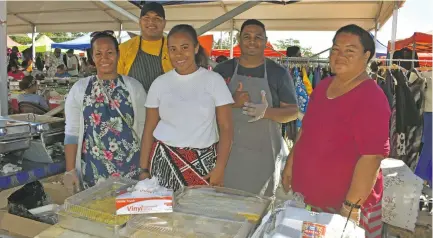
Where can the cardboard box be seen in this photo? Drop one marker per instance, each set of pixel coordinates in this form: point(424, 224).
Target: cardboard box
point(127, 204)
point(23, 227)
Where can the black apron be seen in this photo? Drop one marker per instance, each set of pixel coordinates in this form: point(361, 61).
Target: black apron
point(146, 67)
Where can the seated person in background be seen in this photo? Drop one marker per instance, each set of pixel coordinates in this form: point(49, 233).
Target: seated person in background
point(30, 87)
point(61, 72)
point(14, 72)
point(221, 59)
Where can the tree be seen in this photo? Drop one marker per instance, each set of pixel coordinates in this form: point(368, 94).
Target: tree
point(61, 36)
point(283, 44)
point(23, 40)
point(225, 44)
point(55, 36)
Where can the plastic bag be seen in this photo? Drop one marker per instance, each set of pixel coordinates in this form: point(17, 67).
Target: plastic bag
point(31, 195)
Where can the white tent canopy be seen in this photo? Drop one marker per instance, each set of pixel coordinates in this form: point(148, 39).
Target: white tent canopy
point(65, 16)
point(86, 16)
point(308, 15)
point(44, 41)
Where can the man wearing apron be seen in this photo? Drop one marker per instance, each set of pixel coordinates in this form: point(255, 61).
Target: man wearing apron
point(145, 57)
point(264, 97)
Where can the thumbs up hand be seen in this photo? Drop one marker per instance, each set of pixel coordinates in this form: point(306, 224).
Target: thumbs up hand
point(240, 97)
point(257, 111)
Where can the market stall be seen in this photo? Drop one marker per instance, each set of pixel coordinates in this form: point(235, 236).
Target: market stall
point(11, 43)
point(42, 45)
point(421, 43)
point(83, 42)
point(78, 213)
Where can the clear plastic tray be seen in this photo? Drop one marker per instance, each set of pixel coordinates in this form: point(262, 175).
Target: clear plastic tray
point(97, 207)
point(220, 202)
point(181, 225)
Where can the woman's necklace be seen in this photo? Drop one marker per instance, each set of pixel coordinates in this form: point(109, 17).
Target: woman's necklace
point(336, 88)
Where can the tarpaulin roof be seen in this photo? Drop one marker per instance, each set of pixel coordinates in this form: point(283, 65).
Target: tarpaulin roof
point(423, 43)
point(83, 42)
point(86, 16)
point(10, 42)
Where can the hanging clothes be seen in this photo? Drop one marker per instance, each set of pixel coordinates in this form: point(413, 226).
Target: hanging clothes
point(387, 85)
point(424, 166)
point(317, 77)
point(414, 133)
point(406, 119)
point(306, 81)
point(301, 93)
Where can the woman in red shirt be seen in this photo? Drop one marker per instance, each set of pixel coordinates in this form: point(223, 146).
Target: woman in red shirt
point(335, 164)
point(15, 73)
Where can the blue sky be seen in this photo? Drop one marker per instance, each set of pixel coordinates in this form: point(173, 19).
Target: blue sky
point(414, 16)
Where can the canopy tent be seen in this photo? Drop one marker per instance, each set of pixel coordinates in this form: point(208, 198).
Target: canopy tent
point(11, 43)
point(308, 15)
point(86, 16)
point(421, 41)
point(206, 42)
point(269, 51)
point(83, 42)
point(43, 44)
point(381, 49)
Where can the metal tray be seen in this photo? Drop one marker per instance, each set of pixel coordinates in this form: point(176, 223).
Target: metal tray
point(181, 225)
point(13, 129)
point(40, 123)
point(220, 202)
point(97, 205)
point(14, 145)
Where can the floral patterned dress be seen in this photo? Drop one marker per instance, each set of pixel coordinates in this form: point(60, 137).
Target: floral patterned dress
point(109, 145)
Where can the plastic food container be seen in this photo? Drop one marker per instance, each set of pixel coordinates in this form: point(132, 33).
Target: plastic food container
point(93, 211)
point(181, 225)
point(222, 203)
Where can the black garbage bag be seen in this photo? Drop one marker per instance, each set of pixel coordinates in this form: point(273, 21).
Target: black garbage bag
point(31, 195)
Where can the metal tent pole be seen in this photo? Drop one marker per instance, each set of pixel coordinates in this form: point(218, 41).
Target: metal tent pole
point(33, 42)
point(120, 33)
point(120, 10)
point(227, 16)
point(376, 26)
point(394, 30)
point(3, 66)
point(231, 42)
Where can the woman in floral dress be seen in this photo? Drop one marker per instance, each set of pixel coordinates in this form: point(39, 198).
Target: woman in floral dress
point(104, 121)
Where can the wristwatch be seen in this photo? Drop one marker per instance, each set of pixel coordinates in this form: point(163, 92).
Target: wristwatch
point(144, 170)
point(352, 205)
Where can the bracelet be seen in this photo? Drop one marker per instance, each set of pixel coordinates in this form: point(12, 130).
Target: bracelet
point(144, 170)
point(352, 205)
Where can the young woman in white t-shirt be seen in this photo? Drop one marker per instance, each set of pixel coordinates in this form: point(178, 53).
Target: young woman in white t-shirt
point(188, 111)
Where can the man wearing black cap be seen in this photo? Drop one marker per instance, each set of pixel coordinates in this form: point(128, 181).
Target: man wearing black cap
point(145, 57)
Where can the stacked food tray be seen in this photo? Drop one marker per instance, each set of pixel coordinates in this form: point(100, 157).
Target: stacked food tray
point(182, 225)
point(48, 135)
point(222, 203)
point(93, 211)
point(14, 135)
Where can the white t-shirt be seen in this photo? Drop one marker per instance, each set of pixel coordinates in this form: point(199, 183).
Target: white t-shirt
point(187, 105)
point(71, 61)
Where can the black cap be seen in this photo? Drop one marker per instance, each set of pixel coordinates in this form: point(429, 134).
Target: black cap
point(153, 7)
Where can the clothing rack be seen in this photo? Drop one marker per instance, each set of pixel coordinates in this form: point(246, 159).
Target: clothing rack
point(402, 60)
point(306, 60)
